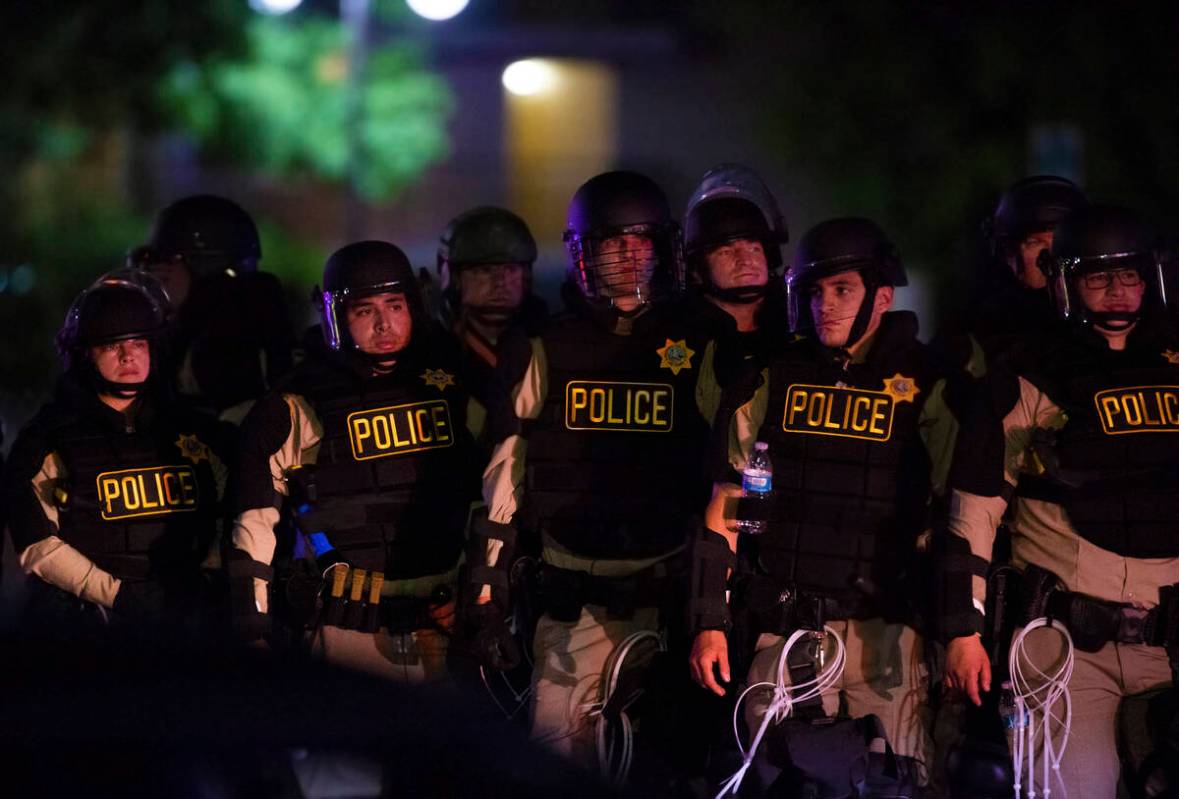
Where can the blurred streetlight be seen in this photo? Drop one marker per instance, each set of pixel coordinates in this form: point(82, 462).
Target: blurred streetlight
point(437, 9)
point(275, 7)
point(530, 76)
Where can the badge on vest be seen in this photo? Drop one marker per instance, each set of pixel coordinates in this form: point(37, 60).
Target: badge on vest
point(400, 429)
point(602, 405)
point(675, 355)
point(1141, 409)
point(192, 448)
point(837, 411)
point(438, 378)
point(151, 491)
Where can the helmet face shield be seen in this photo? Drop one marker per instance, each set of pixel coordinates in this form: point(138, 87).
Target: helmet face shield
point(333, 305)
point(639, 262)
point(1067, 276)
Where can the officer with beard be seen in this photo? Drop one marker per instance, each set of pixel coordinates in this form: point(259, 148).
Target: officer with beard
point(600, 444)
point(1089, 470)
point(233, 335)
point(733, 237)
point(359, 472)
point(852, 413)
point(115, 489)
point(485, 258)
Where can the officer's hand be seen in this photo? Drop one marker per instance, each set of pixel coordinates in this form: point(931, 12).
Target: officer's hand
point(490, 639)
point(968, 669)
point(141, 603)
point(710, 651)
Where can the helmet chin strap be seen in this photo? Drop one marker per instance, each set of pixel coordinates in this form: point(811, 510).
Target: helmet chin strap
point(738, 295)
point(120, 390)
point(493, 316)
point(1113, 321)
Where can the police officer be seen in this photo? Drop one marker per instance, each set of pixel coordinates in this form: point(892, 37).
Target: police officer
point(1012, 306)
point(115, 489)
point(357, 474)
point(1092, 466)
point(233, 335)
point(600, 445)
point(733, 237)
point(852, 413)
point(485, 258)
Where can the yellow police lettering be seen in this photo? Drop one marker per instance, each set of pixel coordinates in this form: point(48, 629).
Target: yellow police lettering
point(109, 490)
point(838, 411)
point(1138, 409)
point(399, 429)
point(619, 406)
point(148, 491)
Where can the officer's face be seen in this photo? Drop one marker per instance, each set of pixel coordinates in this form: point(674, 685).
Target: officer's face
point(737, 264)
point(380, 324)
point(1112, 291)
point(625, 264)
point(127, 361)
point(1025, 256)
point(492, 285)
point(835, 301)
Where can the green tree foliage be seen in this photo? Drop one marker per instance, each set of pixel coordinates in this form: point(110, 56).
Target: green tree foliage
point(284, 109)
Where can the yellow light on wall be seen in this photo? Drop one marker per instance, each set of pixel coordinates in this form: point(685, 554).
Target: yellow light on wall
point(530, 76)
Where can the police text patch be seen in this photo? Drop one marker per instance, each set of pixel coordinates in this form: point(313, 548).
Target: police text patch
point(1141, 409)
point(834, 411)
point(600, 405)
point(400, 429)
point(152, 491)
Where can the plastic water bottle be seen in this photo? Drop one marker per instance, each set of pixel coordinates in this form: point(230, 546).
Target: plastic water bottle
point(757, 480)
point(1012, 713)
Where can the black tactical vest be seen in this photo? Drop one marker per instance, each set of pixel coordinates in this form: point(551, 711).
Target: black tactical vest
point(142, 505)
point(1114, 466)
point(395, 474)
point(615, 466)
point(851, 475)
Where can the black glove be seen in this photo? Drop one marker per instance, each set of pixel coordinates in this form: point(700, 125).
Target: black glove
point(247, 623)
point(141, 603)
point(489, 638)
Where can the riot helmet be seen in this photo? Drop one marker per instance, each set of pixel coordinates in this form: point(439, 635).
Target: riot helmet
point(836, 246)
point(120, 305)
point(207, 234)
point(731, 203)
point(1098, 246)
point(363, 269)
point(484, 237)
point(1033, 205)
point(624, 247)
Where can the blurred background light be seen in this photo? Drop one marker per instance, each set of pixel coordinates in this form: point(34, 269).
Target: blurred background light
point(275, 6)
point(530, 76)
point(437, 9)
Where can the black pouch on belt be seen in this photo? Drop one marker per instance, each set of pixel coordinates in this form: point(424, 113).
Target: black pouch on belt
point(564, 592)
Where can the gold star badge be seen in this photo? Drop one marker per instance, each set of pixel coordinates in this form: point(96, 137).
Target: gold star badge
point(192, 448)
point(901, 388)
point(675, 356)
point(1172, 356)
point(438, 378)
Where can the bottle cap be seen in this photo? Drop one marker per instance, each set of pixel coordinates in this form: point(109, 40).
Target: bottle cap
point(761, 446)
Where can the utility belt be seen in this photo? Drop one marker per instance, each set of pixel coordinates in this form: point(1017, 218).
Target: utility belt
point(778, 607)
point(1093, 623)
point(352, 601)
point(565, 592)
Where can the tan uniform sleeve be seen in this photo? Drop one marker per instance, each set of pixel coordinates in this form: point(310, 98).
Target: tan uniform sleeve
point(746, 421)
point(938, 430)
point(253, 529)
point(56, 562)
point(976, 518)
